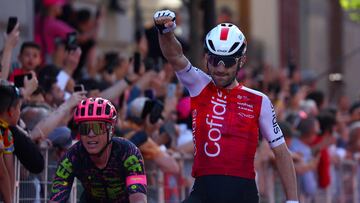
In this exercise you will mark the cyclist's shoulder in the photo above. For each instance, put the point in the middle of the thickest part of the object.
(253, 92)
(76, 151)
(122, 143)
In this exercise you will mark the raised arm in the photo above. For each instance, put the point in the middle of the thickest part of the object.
(10, 42)
(170, 46)
(59, 117)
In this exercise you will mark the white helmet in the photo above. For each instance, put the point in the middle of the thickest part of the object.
(225, 40)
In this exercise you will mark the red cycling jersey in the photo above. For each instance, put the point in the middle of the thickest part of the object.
(226, 125)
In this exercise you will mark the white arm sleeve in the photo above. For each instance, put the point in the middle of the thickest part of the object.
(269, 127)
(194, 79)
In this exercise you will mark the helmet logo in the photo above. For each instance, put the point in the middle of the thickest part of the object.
(224, 33)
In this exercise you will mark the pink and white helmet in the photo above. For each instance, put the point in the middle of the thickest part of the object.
(225, 40)
(95, 109)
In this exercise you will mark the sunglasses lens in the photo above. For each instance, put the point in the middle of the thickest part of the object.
(84, 128)
(97, 128)
(227, 61)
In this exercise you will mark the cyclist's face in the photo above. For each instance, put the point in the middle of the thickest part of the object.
(93, 135)
(222, 71)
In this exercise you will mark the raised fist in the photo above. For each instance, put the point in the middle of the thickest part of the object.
(165, 21)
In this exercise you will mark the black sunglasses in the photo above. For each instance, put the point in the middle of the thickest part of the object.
(227, 61)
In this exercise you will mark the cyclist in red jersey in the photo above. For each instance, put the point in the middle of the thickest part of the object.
(227, 118)
(110, 169)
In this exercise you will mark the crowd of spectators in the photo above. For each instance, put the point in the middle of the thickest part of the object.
(154, 109)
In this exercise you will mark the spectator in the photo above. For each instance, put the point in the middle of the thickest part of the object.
(30, 59)
(48, 27)
(145, 122)
(9, 115)
(354, 112)
(53, 94)
(308, 128)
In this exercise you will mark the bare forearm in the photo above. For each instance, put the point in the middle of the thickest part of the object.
(167, 164)
(45, 126)
(172, 50)
(9, 162)
(114, 91)
(5, 63)
(285, 166)
(5, 181)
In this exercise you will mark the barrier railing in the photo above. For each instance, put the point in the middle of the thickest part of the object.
(169, 188)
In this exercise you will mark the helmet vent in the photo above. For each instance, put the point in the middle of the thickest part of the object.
(100, 101)
(82, 112)
(211, 45)
(230, 25)
(90, 109)
(77, 112)
(98, 110)
(223, 24)
(234, 46)
(107, 109)
(83, 102)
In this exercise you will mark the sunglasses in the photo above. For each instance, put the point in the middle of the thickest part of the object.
(98, 128)
(227, 61)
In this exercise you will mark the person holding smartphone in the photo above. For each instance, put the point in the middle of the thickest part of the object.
(10, 42)
(48, 27)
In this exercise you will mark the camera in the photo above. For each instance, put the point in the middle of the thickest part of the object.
(153, 108)
(19, 79)
(79, 88)
(111, 61)
(71, 41)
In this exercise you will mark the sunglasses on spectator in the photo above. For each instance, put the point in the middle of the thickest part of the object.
(227, 61)
(98, 128)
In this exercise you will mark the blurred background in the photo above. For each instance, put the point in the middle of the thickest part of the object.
(319, 37)
(303, 54)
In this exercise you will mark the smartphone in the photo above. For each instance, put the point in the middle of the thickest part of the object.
(137, 62)
(79, 88)
(111, 61)
(11, 24)
(19, 79)
(71, 41)
(171, 90)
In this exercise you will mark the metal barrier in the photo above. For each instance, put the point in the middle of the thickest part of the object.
(36, 188)
(169, 188)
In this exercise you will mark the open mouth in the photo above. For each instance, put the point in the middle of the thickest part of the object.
(92, 144)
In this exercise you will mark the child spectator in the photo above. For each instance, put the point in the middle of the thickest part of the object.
(30, 59)
(10, 104)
